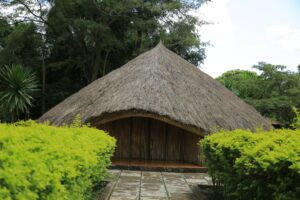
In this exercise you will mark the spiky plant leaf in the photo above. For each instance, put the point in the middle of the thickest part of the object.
(17, 86)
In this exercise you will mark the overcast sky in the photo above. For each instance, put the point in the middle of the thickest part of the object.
(245, 32)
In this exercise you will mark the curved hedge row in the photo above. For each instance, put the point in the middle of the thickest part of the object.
(38, 161)
(261, 165)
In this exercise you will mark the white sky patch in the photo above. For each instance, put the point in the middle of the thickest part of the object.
(220, 33)
(279, 30)
(245, 32)
(286, 36)
(217, 14)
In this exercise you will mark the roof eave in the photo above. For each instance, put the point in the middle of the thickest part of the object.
(108, 117)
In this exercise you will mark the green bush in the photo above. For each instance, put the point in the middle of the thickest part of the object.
(38, 161)
(261, 165)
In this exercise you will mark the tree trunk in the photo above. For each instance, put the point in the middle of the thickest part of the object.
(96, 63)
(43, 106)
(13, 116)
(85, 73)
(95, 70)
(138, 41)
(105, 62)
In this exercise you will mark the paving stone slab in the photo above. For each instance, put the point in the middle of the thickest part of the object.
(129, 180)
(183, 196)
(178, 189)
(195, 175)
(151, 174)
(131, 173)
(154, 198)
(154, 190)
(176, 185)
(124, 193)
(203, 182)
(147, 185)
(154, 178)
(171, 175)
(151, 180)
(114, 171)
(209, 180)
(123, 198)
(194, 181)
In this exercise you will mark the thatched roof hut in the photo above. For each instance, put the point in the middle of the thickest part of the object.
(162, 85)
(159, 85)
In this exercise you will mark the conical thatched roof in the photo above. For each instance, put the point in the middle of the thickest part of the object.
(161, 85)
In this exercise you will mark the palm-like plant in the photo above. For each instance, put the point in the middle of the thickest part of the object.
(17, 86)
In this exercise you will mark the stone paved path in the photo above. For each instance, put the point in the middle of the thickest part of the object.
(144, 185)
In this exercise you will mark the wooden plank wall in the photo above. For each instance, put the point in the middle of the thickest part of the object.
(158, 140)
(140, 138)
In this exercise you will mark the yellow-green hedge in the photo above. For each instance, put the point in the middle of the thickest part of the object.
(39, 161)
(261, 165)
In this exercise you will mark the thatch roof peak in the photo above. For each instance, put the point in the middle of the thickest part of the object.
(160, 43)
(159, 84)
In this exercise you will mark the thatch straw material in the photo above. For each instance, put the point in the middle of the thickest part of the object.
(159, 84)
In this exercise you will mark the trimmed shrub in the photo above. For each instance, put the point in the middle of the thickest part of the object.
(38, 161)
(261, 165)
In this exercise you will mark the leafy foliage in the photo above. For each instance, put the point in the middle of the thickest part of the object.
(71, 43)
(261, 165)
(21, 46)
(273, 92)
(240, 82)
(39, 161)
(90, 35)
(17, 86)
(5, 30)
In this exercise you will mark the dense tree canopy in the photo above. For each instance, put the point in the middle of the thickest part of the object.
(273, 91)
(241, 82)
(71, 43)
(22, 46)
(98, 36)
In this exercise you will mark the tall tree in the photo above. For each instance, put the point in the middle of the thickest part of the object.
(25, 46)
(273, 92)
(5, 30)
(241, 82)
(82, 40)
(32, 12)
(91, 38)
(91, 34)
(22, 46)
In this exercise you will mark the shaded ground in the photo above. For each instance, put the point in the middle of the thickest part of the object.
(145, 185)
